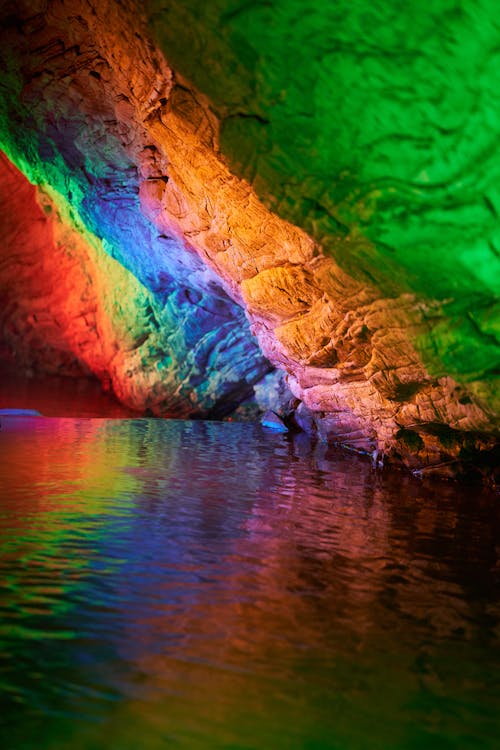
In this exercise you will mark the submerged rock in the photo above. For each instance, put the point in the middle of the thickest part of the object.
(20, 413)
(271, 420)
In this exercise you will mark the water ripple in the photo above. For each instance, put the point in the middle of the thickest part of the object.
(165, 582)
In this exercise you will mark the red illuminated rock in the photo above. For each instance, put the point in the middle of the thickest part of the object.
(349, 351)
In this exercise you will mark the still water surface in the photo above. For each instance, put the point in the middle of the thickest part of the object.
(210, 585)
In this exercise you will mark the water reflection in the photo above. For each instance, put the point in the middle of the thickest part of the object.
(56, 396)
(211, 585)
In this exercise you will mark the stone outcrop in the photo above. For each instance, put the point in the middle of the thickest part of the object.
(141, 249)
(70, 309)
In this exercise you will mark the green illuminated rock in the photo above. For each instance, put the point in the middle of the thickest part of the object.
(329, 171)
(373, 119)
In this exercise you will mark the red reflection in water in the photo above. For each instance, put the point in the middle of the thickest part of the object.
(60, 397)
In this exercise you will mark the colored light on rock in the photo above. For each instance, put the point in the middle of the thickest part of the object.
(362, 143)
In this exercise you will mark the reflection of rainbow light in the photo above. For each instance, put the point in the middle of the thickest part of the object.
(65, 487)
(182, 600)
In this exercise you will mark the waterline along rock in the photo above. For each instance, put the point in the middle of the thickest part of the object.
(212, 206)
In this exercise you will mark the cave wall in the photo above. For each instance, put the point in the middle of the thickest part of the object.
(380, 117)
(308, 190)
(68, 308)
(69, 125)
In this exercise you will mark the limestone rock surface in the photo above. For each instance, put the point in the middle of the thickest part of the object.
(127, 154)
(68, 308)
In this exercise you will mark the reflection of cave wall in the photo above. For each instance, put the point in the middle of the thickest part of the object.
(387, 344)
(309, 560)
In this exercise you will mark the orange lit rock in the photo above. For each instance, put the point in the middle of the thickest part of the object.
(349, 351)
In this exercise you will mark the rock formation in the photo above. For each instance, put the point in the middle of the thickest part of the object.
(159, 249)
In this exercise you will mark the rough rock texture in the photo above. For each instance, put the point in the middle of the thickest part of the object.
(382, 116)
(68, 308)
(91, 108)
